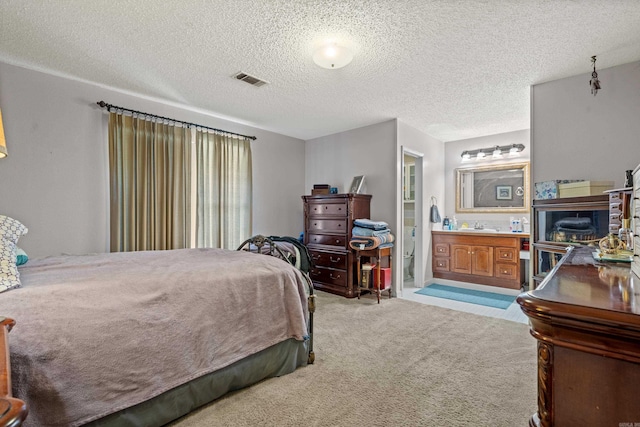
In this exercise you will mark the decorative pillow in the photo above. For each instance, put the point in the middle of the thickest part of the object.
(11, 228)
(9, 276)
(21, 256)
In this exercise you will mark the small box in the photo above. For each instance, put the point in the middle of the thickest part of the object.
(549, 189)
(385, 278)
(317, 191)
(367, 271)
(584, 188)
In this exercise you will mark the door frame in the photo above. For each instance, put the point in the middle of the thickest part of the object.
(418, 273)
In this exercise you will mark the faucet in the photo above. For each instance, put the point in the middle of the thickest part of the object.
(478, 226)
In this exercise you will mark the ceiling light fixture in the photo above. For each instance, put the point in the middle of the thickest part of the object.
(496, 152)
(594, 82)
(332, 56)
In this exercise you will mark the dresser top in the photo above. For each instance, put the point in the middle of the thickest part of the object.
(336, 196)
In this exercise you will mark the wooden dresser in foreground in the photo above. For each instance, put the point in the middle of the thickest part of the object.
(585, 316)
(328, 222)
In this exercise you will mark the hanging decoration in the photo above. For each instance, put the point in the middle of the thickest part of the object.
(594, 82)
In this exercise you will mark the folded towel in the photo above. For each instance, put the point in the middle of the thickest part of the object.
(367, 223)
(371, 242)
(367, 232)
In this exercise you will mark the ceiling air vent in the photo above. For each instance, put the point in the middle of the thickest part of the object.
(249, 79)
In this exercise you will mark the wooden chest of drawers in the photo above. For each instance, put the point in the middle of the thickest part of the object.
(618, 202)
(328, 221)
(635, 221)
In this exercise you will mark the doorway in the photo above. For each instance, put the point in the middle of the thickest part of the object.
(412, 229)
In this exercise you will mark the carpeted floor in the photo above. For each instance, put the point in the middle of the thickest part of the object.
(399, 363)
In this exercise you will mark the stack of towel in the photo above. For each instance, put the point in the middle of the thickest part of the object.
(371, 234)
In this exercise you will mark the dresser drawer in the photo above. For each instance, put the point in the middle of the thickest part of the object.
(615, 208)
(615, 218)
(441, 264)
(328, 225)
(329, 259)
(441, 249)
(335, 209)
(507, 255)
(615, 197)
(506, 271)
(329, 275)
(329, 240)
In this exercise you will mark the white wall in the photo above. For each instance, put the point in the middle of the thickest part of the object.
(55, 179)
(369, 151)
(576, 135)
(453, 161)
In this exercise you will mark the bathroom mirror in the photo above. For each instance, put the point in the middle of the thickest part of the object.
(497, 188)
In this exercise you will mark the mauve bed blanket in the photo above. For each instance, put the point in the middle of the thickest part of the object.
(96, 334)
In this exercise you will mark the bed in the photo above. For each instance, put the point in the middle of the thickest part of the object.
(143, 338)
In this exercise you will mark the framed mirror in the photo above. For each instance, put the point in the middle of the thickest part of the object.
(495, 189)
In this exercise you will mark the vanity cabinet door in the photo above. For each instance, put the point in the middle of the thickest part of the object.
(461, 259)
(482, 260)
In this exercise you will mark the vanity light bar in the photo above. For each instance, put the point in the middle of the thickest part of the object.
(494, 152)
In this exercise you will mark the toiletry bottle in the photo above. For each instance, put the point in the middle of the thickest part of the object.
(445, 223)
(454, 224)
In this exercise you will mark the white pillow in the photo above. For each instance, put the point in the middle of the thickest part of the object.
(9, 275)
(11, 228)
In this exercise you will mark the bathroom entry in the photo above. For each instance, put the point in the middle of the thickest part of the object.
(411, 220)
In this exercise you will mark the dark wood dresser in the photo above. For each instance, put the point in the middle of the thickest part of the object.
(328, 221)
(586, 318)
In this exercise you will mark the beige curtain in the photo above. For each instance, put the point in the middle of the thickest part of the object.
(224, 190)
(150, 181)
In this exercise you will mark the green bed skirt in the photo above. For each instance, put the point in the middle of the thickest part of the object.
(277, 360)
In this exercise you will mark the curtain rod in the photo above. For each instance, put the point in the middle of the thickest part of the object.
(103, 104)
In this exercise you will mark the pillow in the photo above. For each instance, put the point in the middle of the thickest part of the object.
(11, 228)
(9, 276)
(21, 256)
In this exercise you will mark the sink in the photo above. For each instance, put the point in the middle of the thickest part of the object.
(477, 230)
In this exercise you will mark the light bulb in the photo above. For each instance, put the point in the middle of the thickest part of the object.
(332, 56)
(481, 155)
(497, 153)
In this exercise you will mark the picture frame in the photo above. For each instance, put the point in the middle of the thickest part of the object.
(356, 184)
(504, 192)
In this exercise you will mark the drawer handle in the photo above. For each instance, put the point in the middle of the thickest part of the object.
(315, 272)
(505, 272)
(315, 257)
(337, 242)
(334, 260)
(315, 224)
(333, 277)
(505, 255)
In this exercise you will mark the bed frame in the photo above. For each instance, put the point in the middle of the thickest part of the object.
(257, 244)
(14, 411)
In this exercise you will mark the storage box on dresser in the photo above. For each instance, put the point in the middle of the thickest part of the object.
(328, 222)
(635, 203)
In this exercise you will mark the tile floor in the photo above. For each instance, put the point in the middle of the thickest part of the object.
(513, 312)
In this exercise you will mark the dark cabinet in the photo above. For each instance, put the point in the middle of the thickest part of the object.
(328, 221)
(562, 223)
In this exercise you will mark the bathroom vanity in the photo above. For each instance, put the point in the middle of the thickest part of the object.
(477, 256)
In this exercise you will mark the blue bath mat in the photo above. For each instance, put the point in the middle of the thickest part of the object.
(490, 299)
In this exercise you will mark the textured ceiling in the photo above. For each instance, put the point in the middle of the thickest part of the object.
(453, 69)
